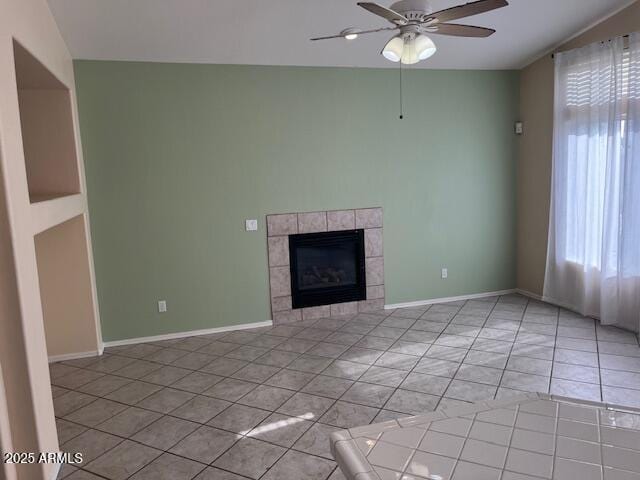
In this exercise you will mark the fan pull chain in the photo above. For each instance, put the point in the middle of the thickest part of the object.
(401, 109)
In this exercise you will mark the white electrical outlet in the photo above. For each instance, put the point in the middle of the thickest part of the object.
(445, 273)
(251, 225)
(162, 306)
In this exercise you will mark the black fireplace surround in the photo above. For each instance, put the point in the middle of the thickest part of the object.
(327, 268)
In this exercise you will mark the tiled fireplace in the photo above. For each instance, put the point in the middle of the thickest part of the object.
(365, 222)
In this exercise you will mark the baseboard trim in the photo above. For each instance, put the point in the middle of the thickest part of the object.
(191, 333)
(529, 294)
(472, 296)
(75, 356)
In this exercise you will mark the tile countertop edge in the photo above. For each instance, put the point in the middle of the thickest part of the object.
(355, 466)
(349, 458)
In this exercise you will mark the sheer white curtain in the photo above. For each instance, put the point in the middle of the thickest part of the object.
(593, 260)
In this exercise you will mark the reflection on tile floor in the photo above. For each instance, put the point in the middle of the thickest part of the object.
(261, 403)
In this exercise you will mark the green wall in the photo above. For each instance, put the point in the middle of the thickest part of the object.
(178, 156)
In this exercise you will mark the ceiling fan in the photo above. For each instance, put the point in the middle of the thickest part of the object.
(414, 19)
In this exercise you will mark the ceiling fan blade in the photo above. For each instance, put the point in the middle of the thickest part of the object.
(456, 30)
(384, 12)
(329, 37)
(363, 32)
(473, 8)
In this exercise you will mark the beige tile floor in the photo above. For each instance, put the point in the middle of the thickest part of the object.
(261, 403)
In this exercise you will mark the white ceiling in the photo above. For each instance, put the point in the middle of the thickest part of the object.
(277, 32)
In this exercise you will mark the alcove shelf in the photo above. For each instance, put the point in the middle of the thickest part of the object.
(46, 121)
(46, 214)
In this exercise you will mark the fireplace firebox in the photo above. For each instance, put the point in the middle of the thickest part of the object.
(327, 268)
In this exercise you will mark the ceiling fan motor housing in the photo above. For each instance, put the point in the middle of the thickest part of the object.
(413, 10)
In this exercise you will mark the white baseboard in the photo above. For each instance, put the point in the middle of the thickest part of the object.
(192, 333)
(472, 296)
(74, 356)
(529, 294)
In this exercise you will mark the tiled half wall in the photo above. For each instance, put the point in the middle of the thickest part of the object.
(280, 226)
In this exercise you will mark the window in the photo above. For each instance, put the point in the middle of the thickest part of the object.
(596, 109)
(593, 260)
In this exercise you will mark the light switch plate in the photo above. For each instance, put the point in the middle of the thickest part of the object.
(162, 306)
(518, 128)
(251, 225)
(445, 273)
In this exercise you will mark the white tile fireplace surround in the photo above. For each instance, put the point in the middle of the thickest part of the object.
(280, 226)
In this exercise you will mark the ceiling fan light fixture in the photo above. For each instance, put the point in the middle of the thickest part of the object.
(425, 47)
(409, 53)
(350, 33)
(409, 49)
(394, 49)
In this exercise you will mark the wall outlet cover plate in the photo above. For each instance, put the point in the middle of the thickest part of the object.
(251, 225)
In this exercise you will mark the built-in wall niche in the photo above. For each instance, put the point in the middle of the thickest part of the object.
(48, 136)
(64, 275)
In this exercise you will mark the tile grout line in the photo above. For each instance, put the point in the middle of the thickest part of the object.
(599, 373)
(395, 389)
(511, 434)
(555, 348)
(469, 350)
(447, 324)
(524, 311)
(555, 437)
(423, 356)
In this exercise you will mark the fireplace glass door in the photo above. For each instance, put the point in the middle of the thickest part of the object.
(327, 268)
